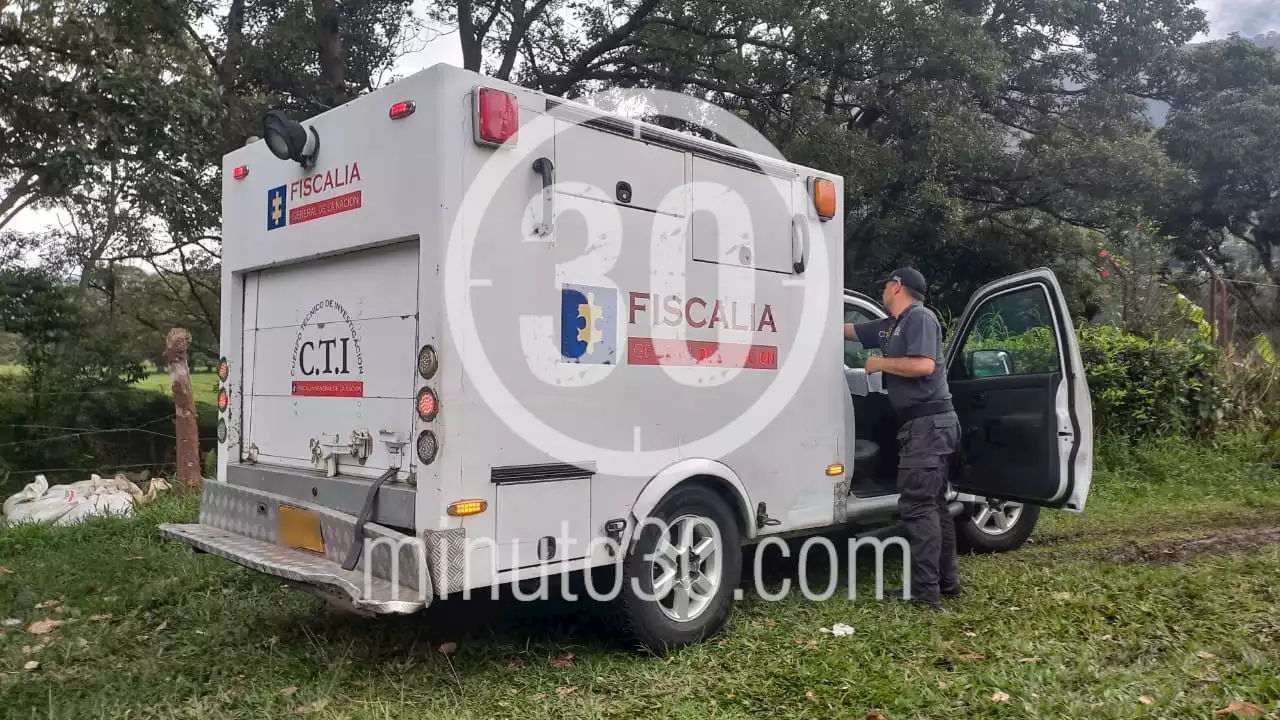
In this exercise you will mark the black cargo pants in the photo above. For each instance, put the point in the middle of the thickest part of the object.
(925, 446)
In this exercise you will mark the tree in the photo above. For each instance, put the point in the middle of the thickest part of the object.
(1224, 125)
(68, 345)
(119, 113)
(95, 83)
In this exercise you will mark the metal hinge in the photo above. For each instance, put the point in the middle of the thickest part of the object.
(361, 445)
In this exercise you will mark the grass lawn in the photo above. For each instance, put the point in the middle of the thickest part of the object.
(1163, 601)
(204, 385)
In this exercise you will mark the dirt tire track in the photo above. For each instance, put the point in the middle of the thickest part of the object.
(1168, 551)
(1221, 522)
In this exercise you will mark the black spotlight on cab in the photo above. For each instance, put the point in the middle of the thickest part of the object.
(288, 140)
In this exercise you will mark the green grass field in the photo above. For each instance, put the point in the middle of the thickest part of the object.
(203, 385)
(1163, 601)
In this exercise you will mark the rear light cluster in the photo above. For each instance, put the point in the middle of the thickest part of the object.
(224, 399)
(427, 405)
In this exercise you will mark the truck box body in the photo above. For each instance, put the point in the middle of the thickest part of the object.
(335, 276)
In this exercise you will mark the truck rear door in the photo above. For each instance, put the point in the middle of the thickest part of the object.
(1018, 385)
(329, 348)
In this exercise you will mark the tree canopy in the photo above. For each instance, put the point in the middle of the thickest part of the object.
(976, 137)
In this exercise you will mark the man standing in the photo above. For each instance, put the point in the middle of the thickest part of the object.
(915, 378)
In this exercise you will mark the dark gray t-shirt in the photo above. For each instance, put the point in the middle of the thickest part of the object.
(918, 332)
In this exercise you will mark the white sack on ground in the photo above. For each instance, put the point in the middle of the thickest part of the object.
(69, 504)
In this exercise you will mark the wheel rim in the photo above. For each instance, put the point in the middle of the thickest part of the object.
(687, 567)
(995, 518)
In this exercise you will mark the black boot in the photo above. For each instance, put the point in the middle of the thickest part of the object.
(899, 595)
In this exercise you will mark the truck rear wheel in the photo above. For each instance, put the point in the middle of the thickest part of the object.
(679, 581)
(990, 527)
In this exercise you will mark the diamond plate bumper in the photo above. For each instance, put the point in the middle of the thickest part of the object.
(239, 524)
(369, 594)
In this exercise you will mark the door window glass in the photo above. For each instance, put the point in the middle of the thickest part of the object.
(855, 354)
(1011, 335)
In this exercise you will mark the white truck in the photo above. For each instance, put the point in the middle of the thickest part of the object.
(474, 335)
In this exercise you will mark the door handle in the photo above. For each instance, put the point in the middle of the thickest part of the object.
(547, 171)
(978, 401)
(799, 244)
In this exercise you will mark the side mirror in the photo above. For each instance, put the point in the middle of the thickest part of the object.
(987, 363)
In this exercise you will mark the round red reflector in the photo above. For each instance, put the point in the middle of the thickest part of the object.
(427, 404)
(222, 400)
(224, 369)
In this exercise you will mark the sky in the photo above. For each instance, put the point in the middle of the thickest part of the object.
(1247, 17)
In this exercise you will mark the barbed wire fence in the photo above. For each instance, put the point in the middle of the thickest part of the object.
(1241, 312)
(107, 431)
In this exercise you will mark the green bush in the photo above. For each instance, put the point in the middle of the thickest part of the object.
(1139, 387)
(1145, 388)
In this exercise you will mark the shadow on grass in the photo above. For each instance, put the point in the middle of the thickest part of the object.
(487, 625)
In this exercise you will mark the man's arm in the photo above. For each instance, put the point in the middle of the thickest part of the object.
(910, 366)
(867, 333)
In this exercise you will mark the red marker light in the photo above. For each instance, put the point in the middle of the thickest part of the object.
(222, 400)
(403, 109)
(497, 116)
(427, 404)
(240, 172)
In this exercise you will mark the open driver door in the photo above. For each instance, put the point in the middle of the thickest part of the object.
(1018, 385)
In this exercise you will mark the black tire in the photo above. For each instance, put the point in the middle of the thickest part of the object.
(969, 539)
(642, 622)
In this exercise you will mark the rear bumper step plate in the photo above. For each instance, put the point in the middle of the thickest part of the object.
(363, 592)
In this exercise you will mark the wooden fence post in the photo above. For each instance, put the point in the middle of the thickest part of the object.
(184, 406)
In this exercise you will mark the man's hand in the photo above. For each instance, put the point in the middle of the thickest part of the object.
(914, 366)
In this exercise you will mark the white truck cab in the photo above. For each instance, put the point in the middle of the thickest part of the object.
(475, 335)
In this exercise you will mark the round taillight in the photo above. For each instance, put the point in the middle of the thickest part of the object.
(428, 363)
(222, 431)
(223, 400)
(224, 369)
(427, 447)
(427, 405)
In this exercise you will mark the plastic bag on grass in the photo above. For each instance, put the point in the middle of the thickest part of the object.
(69, 504)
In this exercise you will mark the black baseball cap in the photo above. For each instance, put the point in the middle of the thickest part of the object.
(911, 279)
